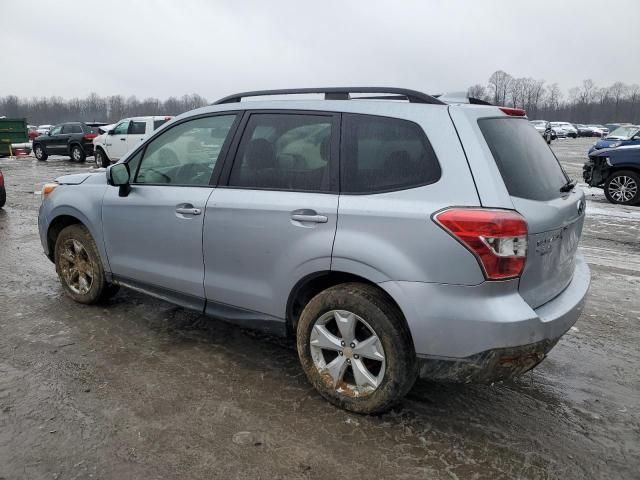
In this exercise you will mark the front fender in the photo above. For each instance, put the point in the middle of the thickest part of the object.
(82, 202)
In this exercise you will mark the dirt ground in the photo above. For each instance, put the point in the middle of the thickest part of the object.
(140, 389)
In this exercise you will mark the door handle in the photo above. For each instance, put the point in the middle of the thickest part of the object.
(123, 139)
(188, 211)
(306, 215)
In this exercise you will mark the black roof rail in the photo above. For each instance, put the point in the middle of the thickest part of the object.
(339, 93)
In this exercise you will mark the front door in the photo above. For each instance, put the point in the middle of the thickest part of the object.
(153, 236)
(53, 142)
(274, 221)
(116, 143)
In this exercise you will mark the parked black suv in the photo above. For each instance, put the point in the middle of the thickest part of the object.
(74, 139)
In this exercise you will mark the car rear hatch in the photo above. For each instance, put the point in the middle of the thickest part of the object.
(533, 184)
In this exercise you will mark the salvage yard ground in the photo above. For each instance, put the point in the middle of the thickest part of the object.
(141, 389)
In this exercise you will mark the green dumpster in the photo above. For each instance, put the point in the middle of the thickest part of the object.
(12, 130)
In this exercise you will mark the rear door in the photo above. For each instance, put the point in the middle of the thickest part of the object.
(137, 132)
(274, 221)
(532, 183)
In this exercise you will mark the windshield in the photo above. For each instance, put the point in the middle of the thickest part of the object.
(528, 166)
(623, 133)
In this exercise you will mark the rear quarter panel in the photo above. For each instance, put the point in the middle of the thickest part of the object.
(391, 236)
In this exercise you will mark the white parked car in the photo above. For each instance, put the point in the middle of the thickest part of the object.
(124, 136)
(570, 130)
(43, 129)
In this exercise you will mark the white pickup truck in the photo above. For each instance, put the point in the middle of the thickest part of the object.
(124, 136)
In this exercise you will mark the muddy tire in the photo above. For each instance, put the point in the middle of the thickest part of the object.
(623, 187)
(355, 348)
(101, 159)
(3, 196)
(77, 154)
(79, 267)
(40, 152)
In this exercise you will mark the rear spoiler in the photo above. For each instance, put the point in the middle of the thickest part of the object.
(460, 97)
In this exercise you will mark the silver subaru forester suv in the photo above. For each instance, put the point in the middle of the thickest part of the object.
(392, 234)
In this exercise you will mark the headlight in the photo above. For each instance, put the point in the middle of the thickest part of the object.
(47, 189)
(615, 144)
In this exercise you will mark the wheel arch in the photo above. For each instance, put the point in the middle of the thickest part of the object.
(310, 285)
(56, 226)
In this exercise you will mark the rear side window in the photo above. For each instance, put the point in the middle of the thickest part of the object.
(137, 128)
(284, 152)
(528, 166)
(71, 128)
(383, 154)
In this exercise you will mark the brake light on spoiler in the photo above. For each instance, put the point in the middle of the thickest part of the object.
(497, 238)
(514, 112)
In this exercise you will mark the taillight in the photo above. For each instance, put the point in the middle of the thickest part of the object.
(498, 238)
(514, 112)
(1, 180)
(89, 136)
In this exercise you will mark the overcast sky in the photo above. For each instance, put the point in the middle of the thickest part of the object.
(163, 48)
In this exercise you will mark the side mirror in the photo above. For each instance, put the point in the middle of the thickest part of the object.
(49, 133)
(110, 132)
(118, 176)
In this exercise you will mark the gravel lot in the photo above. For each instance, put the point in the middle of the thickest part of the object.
(140, 389)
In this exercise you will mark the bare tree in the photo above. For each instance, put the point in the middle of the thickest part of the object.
(477, 91)
(499, 83)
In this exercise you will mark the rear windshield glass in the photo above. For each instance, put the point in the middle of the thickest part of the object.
(528, 166)
(157, 123)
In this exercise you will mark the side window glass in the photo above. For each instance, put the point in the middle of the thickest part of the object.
(67, 128)
(56, 130)
(137, 128)
(185, 154)
(285, 152)
(121, 128)
(381, 154)
(76, 129)
(133, 163)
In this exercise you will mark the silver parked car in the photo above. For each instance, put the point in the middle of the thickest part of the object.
(392, 236)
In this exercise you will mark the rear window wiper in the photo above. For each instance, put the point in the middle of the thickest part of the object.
(567, 187)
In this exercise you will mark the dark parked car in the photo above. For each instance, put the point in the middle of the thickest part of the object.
(3, 192)
(621, 136)
(617, 171)
(73, 139)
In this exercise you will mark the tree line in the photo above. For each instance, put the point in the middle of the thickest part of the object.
(93, 108)
(587, 103)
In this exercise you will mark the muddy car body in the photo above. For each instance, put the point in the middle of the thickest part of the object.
(390, 237)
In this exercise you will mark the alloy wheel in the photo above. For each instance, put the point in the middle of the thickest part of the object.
(347, 352)
(623, 188)
(77, 154)
(76, 267)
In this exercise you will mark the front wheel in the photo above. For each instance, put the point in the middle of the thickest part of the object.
(40, 153)
(79, 266)
(623, 187)
(355, 348)
(101, 159)
(77, 153)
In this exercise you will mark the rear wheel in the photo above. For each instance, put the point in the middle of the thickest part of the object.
(77, 153)
(623, 187)
(40, 152)
(79, 266)
(355, 348)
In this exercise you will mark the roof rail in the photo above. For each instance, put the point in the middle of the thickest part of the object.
(339, 93)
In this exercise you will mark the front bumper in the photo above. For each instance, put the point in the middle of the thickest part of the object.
(487, 331)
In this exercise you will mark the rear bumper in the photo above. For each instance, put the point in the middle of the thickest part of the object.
(485, 327)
